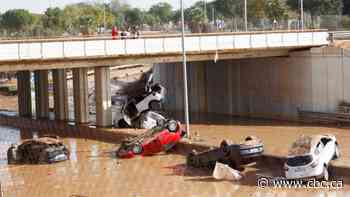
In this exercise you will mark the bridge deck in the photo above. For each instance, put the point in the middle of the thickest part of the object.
(44, 51)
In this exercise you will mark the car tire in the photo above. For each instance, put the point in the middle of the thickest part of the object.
(11, 155)
(122, 124)
(192, 160)
(325, 173)
(336, 153)
(224, 145)
(137, 149)
(155, 105)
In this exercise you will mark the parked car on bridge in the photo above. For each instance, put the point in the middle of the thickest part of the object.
(228, 153)
(155, 140)
(309, 157)
(46, 149)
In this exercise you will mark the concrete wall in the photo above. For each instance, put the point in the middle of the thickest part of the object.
(265, 87)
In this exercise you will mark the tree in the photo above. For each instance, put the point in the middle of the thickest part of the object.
(318, 7)
(53, 19)
(151, 20)
(197, 19)
(231, 9)
(134, 17)
(163, 11)
(275, 10)
(17, 20)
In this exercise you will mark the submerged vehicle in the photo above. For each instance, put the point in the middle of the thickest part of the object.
(158, 139)
(46, 149)
(149, 100)
(231, 154)
(309, 157)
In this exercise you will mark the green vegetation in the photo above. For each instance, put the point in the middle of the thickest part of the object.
(91, 18)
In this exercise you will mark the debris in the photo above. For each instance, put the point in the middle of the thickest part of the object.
(225, 172)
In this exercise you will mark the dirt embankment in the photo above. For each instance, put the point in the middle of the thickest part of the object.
(344, 44)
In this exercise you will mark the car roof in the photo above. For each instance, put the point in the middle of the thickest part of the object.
(45, 140)
(306, 144)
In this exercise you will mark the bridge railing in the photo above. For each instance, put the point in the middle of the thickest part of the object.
(58, 49)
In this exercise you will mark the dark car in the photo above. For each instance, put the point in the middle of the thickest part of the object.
(231, 154)
(46, 149)
(226, 154)
(161, 138)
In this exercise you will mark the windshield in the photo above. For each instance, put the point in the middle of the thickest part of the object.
(299, 160)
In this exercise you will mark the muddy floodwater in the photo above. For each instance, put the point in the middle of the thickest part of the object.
(94, 171)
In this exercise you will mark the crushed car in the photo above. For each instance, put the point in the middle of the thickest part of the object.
(228, 153)
(309, 157)
(45, 149)
(161, 138)
(149, 100)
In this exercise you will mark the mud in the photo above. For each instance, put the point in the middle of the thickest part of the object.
(94, 171)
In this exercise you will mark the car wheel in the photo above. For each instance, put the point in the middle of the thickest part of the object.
(155, 105)
(137, 149)
(191, 159)
(224, 145)
(336, 153)
(122, 124)
(325, 173)
(11, 155)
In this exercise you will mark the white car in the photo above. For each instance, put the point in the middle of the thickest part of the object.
(138, 105)
(309, 157)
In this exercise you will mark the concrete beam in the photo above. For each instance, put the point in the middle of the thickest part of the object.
(41, 93)
(81, 94)
(103, 97)
(60, 94)
(119, 60)
(24, 94)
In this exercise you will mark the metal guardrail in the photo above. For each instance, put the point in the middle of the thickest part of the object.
(339, 35)
(82, 48)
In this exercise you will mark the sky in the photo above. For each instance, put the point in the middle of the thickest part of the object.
(39, 6)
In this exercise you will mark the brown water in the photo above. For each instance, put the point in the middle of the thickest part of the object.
(94, 171)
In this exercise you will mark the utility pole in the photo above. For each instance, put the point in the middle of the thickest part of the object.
(302, 14)
(104, 16)
(245, 16)
(184, 64)
(205, 10)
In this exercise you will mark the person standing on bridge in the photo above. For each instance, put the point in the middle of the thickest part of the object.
(114, 32)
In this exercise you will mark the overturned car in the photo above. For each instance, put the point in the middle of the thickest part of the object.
(158, 139)
(136, 111)
(46, 149)
(231, 154)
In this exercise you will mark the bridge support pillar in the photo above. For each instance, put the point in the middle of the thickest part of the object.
(80, 89)
(24, 94)
(41, 93)
(60, 94)
(103, 97)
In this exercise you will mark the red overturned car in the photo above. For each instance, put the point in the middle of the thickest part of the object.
(161, 138)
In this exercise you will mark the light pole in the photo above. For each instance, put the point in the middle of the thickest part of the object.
(302, 14)
(205, 10)
(245, 16)
(104, 16)
(184, 64)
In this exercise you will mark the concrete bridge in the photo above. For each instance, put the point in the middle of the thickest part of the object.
(82, 54)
